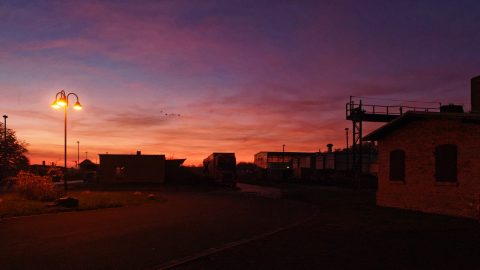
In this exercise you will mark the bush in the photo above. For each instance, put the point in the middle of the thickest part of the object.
(35, 187)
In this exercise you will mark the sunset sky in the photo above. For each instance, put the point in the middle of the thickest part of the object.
(245, 76)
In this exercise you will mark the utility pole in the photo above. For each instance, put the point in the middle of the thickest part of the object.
(5, 128)
(348, 154)
(5, 164)
(346, 133)
(283, 156)
(78, 153)
(86, 155)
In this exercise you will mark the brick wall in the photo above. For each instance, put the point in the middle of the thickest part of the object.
(420, 191)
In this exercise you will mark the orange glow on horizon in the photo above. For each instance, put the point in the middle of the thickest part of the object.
(254, 82)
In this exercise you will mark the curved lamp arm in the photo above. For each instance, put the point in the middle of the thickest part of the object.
(77, 106)
(61, 100)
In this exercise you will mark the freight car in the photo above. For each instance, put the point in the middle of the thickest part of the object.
(222, 168)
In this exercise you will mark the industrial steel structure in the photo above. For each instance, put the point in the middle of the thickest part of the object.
(359, 112)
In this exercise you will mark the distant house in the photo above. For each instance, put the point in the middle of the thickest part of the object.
(284, 165)
(88, 165)
(44, 169)
(283, 160)
(308, 165)
(132, 168)
(88, 170)
(342, 160)
(431, 161)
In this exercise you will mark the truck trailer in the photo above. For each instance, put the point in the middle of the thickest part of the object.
(222, 168)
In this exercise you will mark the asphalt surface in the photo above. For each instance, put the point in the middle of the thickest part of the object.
(307, 228)
(350, 232)
(141, 237)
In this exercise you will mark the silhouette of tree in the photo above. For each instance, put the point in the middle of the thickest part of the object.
(12, 154)
(246, 170)
(246, 167)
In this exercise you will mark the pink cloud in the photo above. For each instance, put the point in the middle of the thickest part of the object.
(236, 88)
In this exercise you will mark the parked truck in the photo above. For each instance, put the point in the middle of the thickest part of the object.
(222, 168)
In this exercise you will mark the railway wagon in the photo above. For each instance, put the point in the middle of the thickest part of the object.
(222, 168)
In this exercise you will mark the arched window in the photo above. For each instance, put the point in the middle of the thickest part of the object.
(446, 163)
(397, 165)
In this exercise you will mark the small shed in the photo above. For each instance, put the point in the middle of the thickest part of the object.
(132, 168)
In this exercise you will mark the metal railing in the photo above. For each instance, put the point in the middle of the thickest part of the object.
(395, 110)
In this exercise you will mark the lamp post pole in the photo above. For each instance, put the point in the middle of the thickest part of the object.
(61, 100)
(5, 128)
(65, 150)
(78, 154)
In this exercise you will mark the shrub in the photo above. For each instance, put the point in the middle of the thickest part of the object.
(35, 187)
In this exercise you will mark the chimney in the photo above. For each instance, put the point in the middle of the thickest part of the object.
(475, 94)
(139, 153)
(329, 146)
(43, 163)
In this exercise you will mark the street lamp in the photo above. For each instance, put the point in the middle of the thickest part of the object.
(61, 100)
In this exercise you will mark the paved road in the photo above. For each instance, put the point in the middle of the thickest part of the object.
(140, 237)
(349, 232)
(266, 192)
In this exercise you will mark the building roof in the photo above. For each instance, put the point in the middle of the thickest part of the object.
(413, 116)
(175, 162)
(287, 153)
(86, 162)
(130, 155)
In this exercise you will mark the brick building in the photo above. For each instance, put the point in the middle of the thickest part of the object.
(132, 168)
(430, 162)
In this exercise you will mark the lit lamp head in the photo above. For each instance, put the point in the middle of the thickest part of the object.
(77, 106)
(55, 105)
(62, 101)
